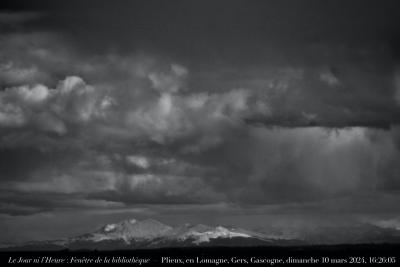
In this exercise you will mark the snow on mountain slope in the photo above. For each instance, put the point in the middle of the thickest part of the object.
(147, 230)
(127, 231)
(146, 234)
(219, 232)
(153, 233)
(202, 233)
(133, 234)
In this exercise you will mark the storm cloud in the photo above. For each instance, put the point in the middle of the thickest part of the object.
(239, 113)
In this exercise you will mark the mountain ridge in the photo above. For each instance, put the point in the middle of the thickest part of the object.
(150, 233)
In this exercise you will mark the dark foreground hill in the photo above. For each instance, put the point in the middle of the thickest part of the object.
(265, 255)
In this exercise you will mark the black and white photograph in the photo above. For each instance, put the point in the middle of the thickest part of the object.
(202, 132)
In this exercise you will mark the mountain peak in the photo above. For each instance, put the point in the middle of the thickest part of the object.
(131, 229)
(132, 220)
(113, 226)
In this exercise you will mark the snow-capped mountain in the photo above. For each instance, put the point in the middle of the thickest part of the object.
(134, 234)
(128, 230)
(149, 234)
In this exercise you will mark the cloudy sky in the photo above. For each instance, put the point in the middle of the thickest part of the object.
(249, 113)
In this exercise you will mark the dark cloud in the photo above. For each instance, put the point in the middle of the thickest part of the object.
(211, 142)
(16, 21)
(164, 110)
